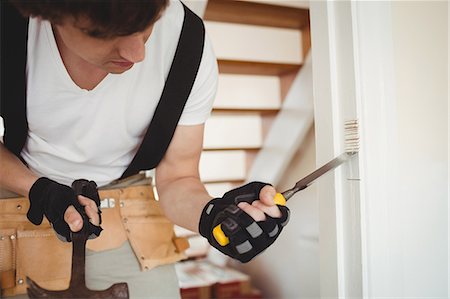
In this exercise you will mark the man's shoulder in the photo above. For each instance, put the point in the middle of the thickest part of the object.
(173, 16)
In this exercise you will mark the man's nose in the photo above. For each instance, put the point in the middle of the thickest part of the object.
(132, 47)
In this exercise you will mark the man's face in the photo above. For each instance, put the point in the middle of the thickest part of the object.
(113, 55)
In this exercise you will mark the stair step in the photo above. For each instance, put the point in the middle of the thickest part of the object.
(248, 92)
(233, 131)
(261, 14)
(289, 3)
(227, 66)
(260, 48)
(223, 166)
(243, 42)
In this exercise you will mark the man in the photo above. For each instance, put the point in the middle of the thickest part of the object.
(95, 74)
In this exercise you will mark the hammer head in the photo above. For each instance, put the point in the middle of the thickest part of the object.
(116, 291)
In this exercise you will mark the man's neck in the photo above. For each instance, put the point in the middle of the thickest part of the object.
(83, 74)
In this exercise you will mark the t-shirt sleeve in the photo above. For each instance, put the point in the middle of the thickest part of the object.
(199, 104)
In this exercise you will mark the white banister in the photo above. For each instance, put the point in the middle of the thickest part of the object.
(288, 130)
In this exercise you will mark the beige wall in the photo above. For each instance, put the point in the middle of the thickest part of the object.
(420, 35)
(290, 268)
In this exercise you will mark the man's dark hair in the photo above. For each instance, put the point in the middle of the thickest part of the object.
(107, 18)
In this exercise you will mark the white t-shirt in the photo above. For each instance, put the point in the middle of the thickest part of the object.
(76, 133)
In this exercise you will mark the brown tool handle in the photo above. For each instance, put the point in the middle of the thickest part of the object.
(79, 242)
(81, 187)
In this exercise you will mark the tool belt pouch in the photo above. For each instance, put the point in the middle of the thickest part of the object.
(29, 250)
(128, 214)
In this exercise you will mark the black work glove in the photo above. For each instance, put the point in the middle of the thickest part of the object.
(247, 238)
(89, 189)
(52, 199)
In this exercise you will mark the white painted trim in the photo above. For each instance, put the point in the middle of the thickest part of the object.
(376, 104)
(354, 78)
(448, 154)
(323, 51)
(352, 64)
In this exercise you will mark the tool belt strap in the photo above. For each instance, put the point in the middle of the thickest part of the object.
(129, 213)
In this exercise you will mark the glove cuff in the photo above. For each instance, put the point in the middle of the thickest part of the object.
(38, 188)
(36, 211)
(206, 219)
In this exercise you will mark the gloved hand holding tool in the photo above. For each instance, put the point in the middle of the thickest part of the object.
(52, 199)
(77, 287)
(246, 237)
(235, 233)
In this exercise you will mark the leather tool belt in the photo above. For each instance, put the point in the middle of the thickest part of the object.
(129, 212)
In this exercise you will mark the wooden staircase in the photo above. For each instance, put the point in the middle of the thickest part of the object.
(260, 49)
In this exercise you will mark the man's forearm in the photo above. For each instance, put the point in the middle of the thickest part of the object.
(183, 201)
(14, 175)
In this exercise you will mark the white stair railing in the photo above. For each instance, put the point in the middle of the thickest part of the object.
(288, 129)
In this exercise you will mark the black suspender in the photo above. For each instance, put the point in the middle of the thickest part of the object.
(182, 74)
(175, 93)
(13, 47)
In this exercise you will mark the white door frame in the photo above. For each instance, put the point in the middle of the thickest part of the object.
(352, 75)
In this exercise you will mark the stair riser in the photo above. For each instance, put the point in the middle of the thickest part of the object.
(255, 43)
(248, 92)
(232, 131)
(222, 166)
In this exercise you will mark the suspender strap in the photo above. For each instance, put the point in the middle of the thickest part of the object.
(176, 91)
(13, 47)
(182, 74)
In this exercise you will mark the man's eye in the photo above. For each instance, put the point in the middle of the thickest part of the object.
(95, 33)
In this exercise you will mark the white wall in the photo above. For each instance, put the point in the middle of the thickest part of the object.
(404, 151)
(401, 85)
(420, 35)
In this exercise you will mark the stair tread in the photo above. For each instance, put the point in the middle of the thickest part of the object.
(246, 110)
(231, 148)
(256, 14)
(255, 68)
